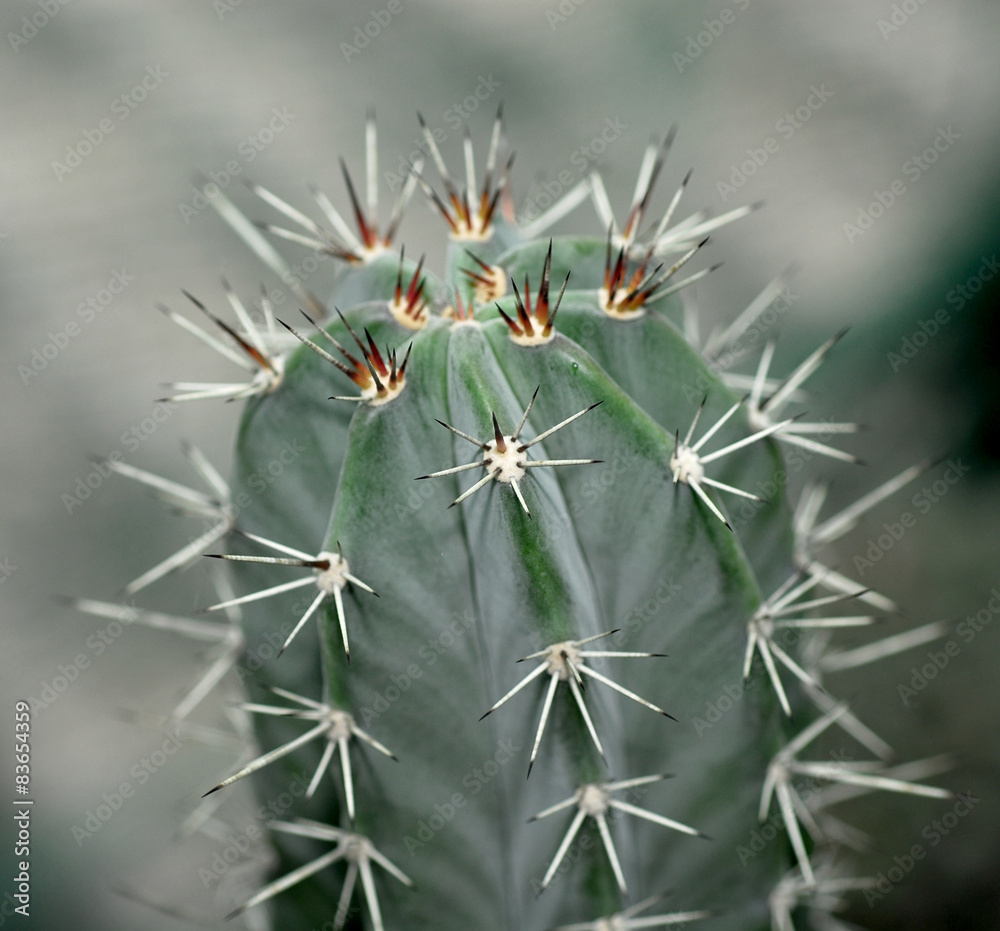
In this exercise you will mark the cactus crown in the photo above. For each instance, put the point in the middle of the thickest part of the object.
(599, 499)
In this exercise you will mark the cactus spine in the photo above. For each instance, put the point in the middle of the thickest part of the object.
(531, 457)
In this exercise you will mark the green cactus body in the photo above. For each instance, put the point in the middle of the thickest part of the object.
(467, 591)
(526, 473)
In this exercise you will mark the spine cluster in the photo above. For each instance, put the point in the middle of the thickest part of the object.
(599, 334)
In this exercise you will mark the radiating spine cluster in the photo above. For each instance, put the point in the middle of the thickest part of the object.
(633, 286)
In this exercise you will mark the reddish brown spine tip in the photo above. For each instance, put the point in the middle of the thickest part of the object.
(498, 435)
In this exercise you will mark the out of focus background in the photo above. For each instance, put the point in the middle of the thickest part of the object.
(871, 130)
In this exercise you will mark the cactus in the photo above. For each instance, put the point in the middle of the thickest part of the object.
(531, 457)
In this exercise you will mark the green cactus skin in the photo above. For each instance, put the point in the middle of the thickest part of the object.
(613, 536)
(582, 564)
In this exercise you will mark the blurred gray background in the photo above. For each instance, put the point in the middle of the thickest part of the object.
(885, 81)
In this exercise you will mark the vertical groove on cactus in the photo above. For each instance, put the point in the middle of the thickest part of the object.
(627, 539)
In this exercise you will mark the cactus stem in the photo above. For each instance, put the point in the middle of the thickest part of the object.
(356, 849)
(594, 800)
(566, 662)
(503, 461)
